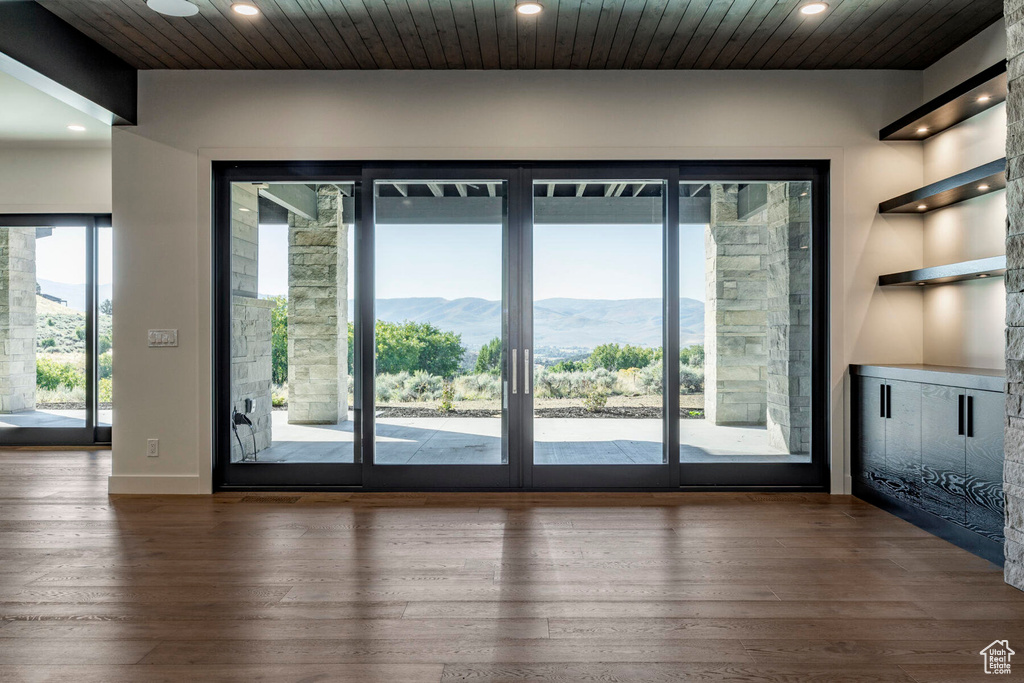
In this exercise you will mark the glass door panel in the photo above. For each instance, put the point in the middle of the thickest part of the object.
(598, 329)
(441, 328)
(745, 332)
(291, 383)
(43, 327)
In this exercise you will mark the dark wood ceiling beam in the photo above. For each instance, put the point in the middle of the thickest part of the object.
(39, 48)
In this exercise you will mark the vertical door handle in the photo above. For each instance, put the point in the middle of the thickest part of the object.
(888, 400)
(960, 415)
(881, 401)
(515, 371)
(970, 416)
(526, 371)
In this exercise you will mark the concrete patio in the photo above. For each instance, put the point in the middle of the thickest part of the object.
(53, 419)
(557, 441)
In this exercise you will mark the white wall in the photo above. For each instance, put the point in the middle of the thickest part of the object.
(162, 195)
(55, 179)
(964, 323)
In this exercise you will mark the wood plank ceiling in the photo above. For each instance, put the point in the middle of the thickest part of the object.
(568, 34)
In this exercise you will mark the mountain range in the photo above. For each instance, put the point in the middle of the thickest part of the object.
(73, 294)
(558, 323)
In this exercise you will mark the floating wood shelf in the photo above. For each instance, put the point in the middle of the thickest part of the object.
(953, 272)
(951, 107)
(949, 191)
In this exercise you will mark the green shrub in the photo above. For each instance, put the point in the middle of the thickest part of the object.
(48, 343)
(279, 340)
(279, 399)
(51, 375)
(572, 384)
(104, 343)
(447, 396)
(477, 387)
(80, 333)
(691, 379)
(692, 355)
(106, 365)
(614, 357)
(570, 366)
(595, 400)
(106, 390)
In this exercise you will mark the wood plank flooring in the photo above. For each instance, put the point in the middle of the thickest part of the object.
(478, 587)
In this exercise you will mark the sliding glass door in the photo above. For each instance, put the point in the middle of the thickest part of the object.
(54, 334)
(596, 312)
(522, 326)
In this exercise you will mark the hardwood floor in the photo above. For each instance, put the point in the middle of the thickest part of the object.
(480, 587)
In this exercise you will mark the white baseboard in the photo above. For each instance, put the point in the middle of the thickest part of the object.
(184, 484)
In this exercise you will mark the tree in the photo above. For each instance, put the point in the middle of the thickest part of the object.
(107, 307)
(489, 360)
(279, 340)
(614, 357)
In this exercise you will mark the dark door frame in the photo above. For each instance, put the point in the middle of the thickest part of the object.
(91, 434)
(361, 474)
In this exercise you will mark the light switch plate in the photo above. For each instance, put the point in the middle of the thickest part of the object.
(163, 338)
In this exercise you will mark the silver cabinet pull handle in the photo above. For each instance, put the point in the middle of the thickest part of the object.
(526, 371)
(515, 372)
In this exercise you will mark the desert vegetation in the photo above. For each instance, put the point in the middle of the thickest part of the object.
(60, 355)
(420, 364)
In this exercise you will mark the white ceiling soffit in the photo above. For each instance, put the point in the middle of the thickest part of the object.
(29, 115)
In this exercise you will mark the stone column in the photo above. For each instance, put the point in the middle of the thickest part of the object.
(251, 360)
(789, 316)
(318, 313)
(17, 319)
(1013, 472)
(735, 355)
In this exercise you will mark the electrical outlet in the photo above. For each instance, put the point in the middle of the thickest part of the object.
(153, 448)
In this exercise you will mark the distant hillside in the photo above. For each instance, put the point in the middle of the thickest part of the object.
(73, 294)
(577, 323)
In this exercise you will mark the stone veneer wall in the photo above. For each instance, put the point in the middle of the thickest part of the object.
(1013, 472)
(318, 313)
(251, 370)
(251, 347)
(789, 316)
(17, 319)
(735, 357)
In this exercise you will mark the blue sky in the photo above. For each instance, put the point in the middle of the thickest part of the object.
(454, 261)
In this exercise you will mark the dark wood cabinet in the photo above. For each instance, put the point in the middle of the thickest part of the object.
(943, 440)
(984, 484)
(930, 442)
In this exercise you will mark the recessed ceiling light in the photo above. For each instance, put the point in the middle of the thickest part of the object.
(982, 274)
(814, 8)
(529, 7)
(245, 9)
(982, 187)
(922, 129)
(76, 127)
(173, 8)
(244, 210)
(984, 98)
(920, 284)
(922, 207)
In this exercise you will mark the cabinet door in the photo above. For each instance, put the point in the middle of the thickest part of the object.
(943, 452)
(903, 441)
(870, 434)
(984, 484)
